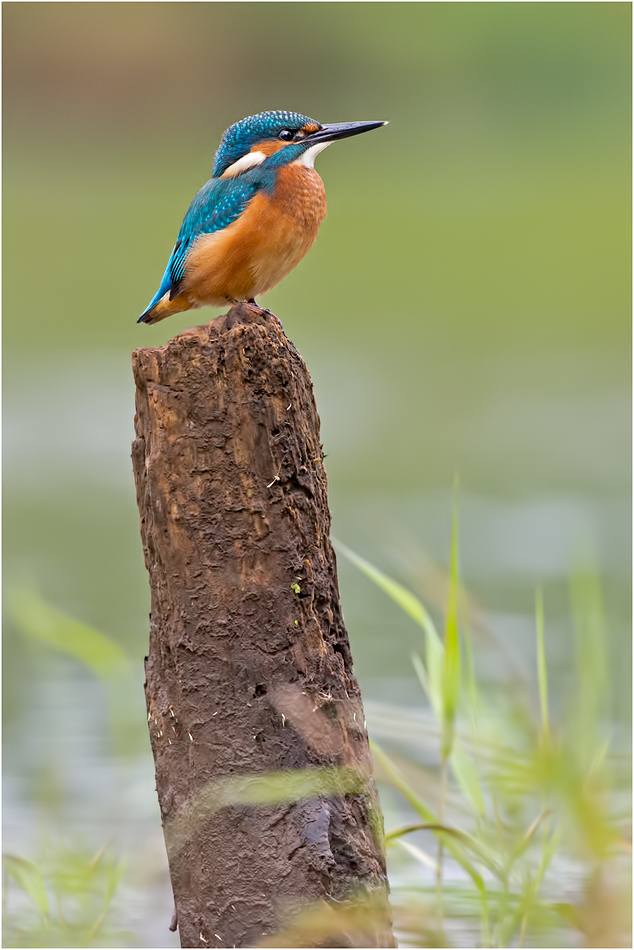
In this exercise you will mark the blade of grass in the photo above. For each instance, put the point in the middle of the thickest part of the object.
(264, 788)
(429, 826)
(29, 878)
(425, 859)
(415, 609)
(449, 839)
(588, 709)
(406, 830)
(466, 774)
(39, 621)
(450, 688)
(541, 664)
(472, 686)
(528, 835)
(451, 665)
(432, 694)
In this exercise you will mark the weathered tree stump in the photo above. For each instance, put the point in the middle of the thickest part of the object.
(249, 669)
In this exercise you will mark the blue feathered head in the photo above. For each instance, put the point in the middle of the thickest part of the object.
(240, 138)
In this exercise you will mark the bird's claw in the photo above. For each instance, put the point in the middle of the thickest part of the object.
(264, 310)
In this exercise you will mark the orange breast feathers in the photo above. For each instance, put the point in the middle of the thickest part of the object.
(257, 251)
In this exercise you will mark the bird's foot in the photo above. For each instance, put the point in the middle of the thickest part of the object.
(269, 313)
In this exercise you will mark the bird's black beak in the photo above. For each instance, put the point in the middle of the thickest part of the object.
(341, 130)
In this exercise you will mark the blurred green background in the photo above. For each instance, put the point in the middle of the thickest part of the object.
(465, 309)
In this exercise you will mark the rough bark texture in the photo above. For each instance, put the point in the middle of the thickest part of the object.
(249, 668)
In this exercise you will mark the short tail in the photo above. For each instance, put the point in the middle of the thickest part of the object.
(164, 308)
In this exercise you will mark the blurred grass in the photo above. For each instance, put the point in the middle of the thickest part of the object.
(553, 797)
(466, 307)
(39, 620)
(535, 810)
(70, 892)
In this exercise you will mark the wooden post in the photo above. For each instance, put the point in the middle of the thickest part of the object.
(249, 669)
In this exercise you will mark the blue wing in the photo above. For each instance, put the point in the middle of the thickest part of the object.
(218, 203)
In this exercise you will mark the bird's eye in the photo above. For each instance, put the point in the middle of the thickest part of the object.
(286, 135)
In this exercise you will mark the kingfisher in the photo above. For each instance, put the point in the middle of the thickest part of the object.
(256, 217)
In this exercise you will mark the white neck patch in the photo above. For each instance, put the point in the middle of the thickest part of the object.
(247, 161)
(309, 156)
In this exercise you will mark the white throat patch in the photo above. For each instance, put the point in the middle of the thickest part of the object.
(309, 156)
(247, 161)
